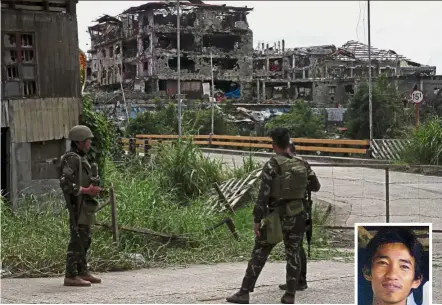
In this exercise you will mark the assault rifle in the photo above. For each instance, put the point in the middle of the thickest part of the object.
(309, 222)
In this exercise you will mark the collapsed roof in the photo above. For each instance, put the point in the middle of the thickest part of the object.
(194, 3)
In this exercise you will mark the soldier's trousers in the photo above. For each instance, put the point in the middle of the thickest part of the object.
(293, 228)
(303, 257)
(76, 263)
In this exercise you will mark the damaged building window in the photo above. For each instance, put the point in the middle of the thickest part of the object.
(275, 65)
(130, 71)
(164, 17)
(26, 41)
(169, 41)
(331, 90)
(20, 66)
(162, 85)
(185, 63)
(349, 89)
(27, 56)
(10, 57)
(223, 63)
(225, 86)
(259, 64)
(130, 49)
(111, 52)
(12, 71)
(224, 42)
(117, 49)
(9, 40)
(103, 53)
(146, 43)
(29, 87)
(298, 74)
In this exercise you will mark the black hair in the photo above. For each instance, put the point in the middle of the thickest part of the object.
(389, 235)
(280, 137)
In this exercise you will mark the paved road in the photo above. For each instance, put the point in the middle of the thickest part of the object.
(330, 282)
(196, 284)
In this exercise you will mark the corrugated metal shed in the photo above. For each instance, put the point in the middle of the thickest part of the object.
(43, 119)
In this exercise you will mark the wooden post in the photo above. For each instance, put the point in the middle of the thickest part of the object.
(232, 228)
(146, 147)
(132, 146)
(113, 203)
(417, 115)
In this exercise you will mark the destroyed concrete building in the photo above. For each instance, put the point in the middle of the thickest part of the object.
(139, 48)
(41, 92)
(328, 75)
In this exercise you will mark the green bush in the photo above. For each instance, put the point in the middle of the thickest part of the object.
(106, 134)
(165, 121)
(300, 121)
(200, 122)
(425, 144)
(388, 116)
(186, 170)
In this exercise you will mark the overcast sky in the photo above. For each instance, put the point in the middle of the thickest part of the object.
(411, 28)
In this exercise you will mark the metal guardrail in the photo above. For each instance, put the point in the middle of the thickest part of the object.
(142, 143)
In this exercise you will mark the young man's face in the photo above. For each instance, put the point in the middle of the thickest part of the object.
(392, 274)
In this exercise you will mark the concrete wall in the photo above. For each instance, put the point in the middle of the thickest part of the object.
(21, 182)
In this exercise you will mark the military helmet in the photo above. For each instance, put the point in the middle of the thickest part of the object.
(80, 133)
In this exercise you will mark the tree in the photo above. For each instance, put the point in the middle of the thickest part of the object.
(300, 121)
(388, 115)
(165, 121)
(200, 122)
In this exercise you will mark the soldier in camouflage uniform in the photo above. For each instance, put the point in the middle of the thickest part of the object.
(284, 182)
(302, 283)
(79, 187)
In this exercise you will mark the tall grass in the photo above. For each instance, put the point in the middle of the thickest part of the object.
(425, 144)
(149, 195)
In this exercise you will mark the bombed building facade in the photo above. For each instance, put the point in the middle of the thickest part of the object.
(138, 50)
(139, 47)
(328, 75)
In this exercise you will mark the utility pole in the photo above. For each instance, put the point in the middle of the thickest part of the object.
(179, 68)
(213, 93)
(370, 85)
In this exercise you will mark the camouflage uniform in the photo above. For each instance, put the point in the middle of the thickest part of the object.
(302, 283)
(81, 209)
(293, 228)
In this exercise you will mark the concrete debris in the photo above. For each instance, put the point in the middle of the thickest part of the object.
(4, 272)
(138, 259)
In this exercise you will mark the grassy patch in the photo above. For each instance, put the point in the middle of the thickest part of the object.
(425, 144)
(167, 194)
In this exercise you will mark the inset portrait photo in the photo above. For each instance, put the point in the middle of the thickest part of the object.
(393, 264)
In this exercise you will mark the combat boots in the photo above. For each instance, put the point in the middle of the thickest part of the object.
(300, 287)
(288, 298)
(90, 278)
(241, 297)
(76, 281)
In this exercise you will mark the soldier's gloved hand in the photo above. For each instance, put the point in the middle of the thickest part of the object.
(257, 229)
(91, 190)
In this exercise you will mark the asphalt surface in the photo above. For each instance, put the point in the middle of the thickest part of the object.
(330, 282)
(195, 284)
